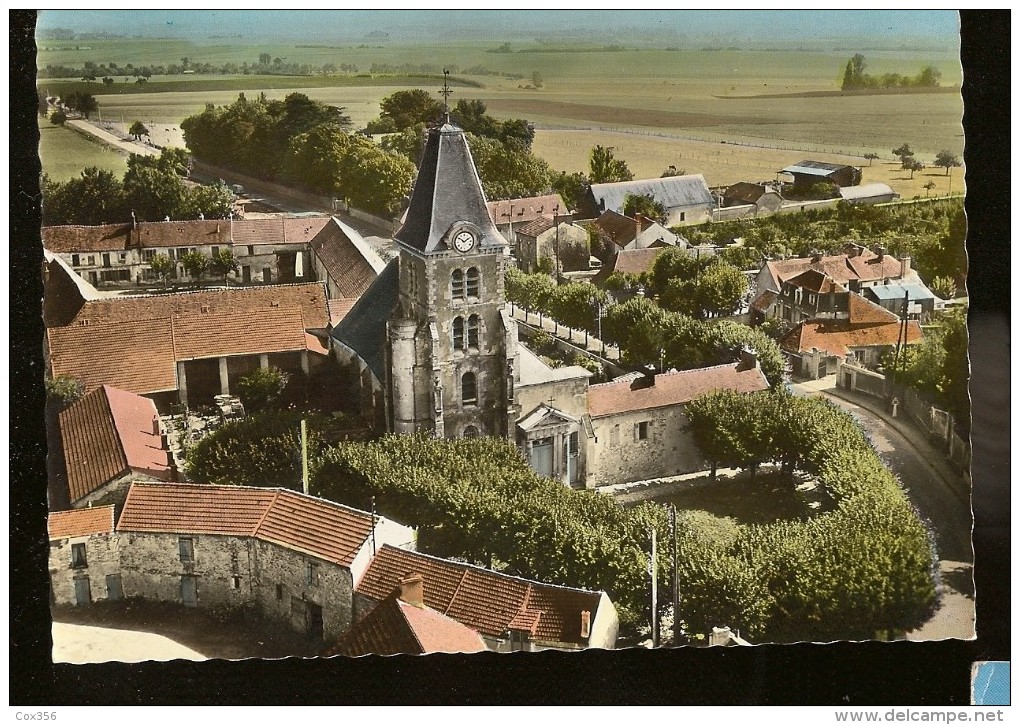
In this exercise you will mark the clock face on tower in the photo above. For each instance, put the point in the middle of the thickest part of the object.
(464, 241)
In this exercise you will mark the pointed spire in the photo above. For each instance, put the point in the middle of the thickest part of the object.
(445, 93)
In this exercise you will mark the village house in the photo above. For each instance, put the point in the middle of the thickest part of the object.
(511, 614)
(508, 215)
(807, 173)
(618, 233)
(816, 347)
(636, 425)
(562, 242)
(108, 438)
(402, 624)
(630, 262)
(808, 296)
(291, 557)
(84, 556)
(856, 268)
(747, 199)
(184, 347)
(920, 301)
(686, 199)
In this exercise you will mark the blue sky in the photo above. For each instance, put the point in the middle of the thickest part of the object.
(745, 24)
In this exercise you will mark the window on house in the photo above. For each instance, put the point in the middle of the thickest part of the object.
(92, 260)
(235, 582)
(251, 250)
(472, 282)
(78, 558)
(312, 574)
(683, 216)
(472, 331)
(614, 436)
(457, 284)
(148, 255)
(123, 257)
(186, 547)
(215, 250)
(75, 260)
(468, 389)
(458, 333)
(641, 431)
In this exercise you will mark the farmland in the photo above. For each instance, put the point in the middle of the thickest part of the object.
(731, 115)
(65, 152)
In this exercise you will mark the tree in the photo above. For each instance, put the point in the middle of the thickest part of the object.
(537, 79)
(849, 82)
(379, 182)
(58, 118)
(903, 152)
(154, 191)
(508, 170)
(86, 104)
(207, 201)
(261, 389)
(928, 187)
(265, 58)
(928, 77)
(672, 170)
(409, 143)
(138, 130)
(223, 263)
(195, 265)
(44, 104)
(407, 108)
(911, 164)
(163, 267)
(944, 287)
(572, 188)
(645, 205)
(95, 197)
(721, 289)
(605, 168)
(63, 390)
(947, 160)
(871, 156)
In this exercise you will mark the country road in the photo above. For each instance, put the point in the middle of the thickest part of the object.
(940, 497)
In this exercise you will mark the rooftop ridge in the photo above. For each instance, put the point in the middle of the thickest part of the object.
(206, 290)
(664, 374)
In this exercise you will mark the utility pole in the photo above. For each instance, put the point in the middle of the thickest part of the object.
(676, 578)
(556, 211)
(655, 596)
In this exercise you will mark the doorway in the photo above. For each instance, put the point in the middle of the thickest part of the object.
(82, 591)
(189, 591)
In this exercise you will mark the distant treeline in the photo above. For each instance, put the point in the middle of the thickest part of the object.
(854, 77)
(434, 69)
(506, 48)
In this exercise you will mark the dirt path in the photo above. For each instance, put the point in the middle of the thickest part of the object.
(80, 644)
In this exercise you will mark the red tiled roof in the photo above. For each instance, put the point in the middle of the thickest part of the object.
(303, 523)
(278, 230)
(525, 210)
(108, 433)
(104, 238)
(620, 229)
(339, 307)
(396, 627)
(533, 229)
(80, 522)
(216, 334)
(484, 600)
(763, 301)
(673, 388)
(636, 261)
(65, 293)
(345, 264)
(182, 233)
(133, 355)
(744, 192)
(815, 281)
(869, 325)
(842, 268)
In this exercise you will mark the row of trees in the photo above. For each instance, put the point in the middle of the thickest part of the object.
(943, 159)
(152, 188)
(646, 333)
(304, 142)
(863, 567)
(265, 65)
(854, 77)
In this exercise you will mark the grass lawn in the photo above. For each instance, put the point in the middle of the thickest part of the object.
(65, 152)
(762, 501)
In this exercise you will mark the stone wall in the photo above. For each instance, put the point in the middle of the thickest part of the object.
(102, 554)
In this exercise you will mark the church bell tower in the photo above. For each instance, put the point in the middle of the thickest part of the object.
(451, 340)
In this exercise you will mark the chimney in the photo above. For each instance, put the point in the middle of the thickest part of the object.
(412, 590)
(816, 256)
(748, 359)
(639, 221)
(155, 425)
(904, 266)
(880, 251)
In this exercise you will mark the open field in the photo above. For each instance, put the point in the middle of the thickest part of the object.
(65, 152)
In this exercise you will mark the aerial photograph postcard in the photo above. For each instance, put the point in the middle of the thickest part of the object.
(431, 331)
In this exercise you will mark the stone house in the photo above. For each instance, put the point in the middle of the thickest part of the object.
(816, 347)
(402, 624)
(636, 425)
(745, 199)
(617, 233)
(84, 556)
(108, 438)
(856, 268)
(292, 557)
(181, 347)
(508, 215)
(556, 240)
(510, 613)
(686, 199)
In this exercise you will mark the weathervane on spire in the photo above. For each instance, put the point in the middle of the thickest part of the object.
(445, 93)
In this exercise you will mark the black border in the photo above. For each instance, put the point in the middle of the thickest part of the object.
(902, 673)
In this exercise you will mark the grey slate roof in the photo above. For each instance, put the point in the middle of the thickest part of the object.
(813, 168)
(363, 329)
(899, 291)
(672, 192)
(434, 208)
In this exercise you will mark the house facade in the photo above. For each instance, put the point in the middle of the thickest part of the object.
(545, 238)
(686, 199)
(84, 556)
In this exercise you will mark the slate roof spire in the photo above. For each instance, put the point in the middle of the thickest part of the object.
(447, 190)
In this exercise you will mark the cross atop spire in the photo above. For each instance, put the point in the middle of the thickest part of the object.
(445, 93)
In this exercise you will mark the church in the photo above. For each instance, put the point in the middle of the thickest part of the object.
(431, 347)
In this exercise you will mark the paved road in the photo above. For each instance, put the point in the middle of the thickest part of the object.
(939, 495)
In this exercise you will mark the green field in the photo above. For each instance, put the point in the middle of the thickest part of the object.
(65, 152)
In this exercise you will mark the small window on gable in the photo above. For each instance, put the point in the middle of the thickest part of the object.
(472, 282)
(469, 389)
(186, 547)
(79, 559)
(457, 284)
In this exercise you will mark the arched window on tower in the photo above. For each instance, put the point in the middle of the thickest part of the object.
(468, 389)
(472, 282)
(457, 284)
(472, 331)
(458, 334)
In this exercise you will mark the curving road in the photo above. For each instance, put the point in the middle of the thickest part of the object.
(941, 498)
